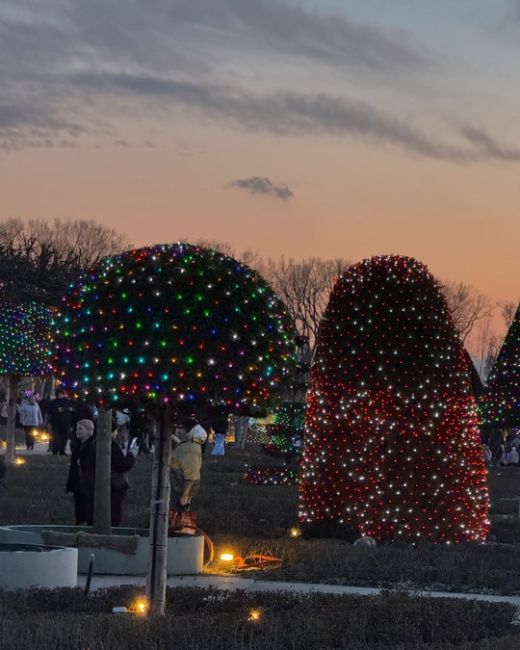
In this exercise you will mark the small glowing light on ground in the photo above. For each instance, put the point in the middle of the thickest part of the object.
(140, 606)
(19, 461)
(255, 615)
(227, 557)
(44, 437)
(295, 532)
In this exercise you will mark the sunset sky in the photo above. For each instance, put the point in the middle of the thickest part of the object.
(320, 128)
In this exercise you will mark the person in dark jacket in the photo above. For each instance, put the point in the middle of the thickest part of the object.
(82, 475)
(61, 418)
(120, 464)
(137, 431)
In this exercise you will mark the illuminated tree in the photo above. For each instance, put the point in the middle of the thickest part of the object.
(392, 447)
(174, 323)
(26, 341)
(287, 427)
(500, 405)
(285, 442)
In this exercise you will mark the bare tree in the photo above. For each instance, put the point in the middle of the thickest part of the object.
(39, 258)
(485, 346)
(486, 343)
(305, 286)
(249, 257)
(467, 306)
(508, 310)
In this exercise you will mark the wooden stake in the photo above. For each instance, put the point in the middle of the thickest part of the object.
(102, 510)
(160, 506)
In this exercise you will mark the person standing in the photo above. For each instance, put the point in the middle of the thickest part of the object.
(219, 424)
(61, 418)
(30, 418)
(123, 427)
(120, 464)
(82, 475)
(186, 463)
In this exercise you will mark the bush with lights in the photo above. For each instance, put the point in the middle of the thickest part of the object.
(26, 347)
(285, 442)
(286, 431)
(26, 339)
(392, 446)
(500, 404)
(175, 322)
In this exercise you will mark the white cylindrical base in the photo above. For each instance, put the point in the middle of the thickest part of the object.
(23, 566)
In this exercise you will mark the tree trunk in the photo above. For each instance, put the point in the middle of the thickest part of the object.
(102, 512)
(160, 506)
(12, 388)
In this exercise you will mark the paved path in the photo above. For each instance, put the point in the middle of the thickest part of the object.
(233, 583)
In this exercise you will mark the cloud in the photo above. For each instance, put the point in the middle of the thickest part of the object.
(291, 28)
(69, 69)
(35, 125)
(262, 185)
(489, 147)
(294, 114)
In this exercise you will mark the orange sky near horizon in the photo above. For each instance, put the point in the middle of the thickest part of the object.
(462, 221)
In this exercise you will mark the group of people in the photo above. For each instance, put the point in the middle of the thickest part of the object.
(188, 440)
(81, 480)
(58, 416)
(74, 423)
(503, 449)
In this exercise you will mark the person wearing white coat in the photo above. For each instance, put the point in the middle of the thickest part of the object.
(31, 418)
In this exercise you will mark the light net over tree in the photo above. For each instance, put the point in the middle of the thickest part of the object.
(26, 339)
(172, 323)
(392, 447)
(500, 404)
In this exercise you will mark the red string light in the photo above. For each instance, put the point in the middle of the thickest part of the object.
(392, 446)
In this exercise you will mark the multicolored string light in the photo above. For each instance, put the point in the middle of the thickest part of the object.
(392, 446)
(286, 442)
(500, 404)
(26, 339)
(286, 430)
(279, 476)
(175, 322)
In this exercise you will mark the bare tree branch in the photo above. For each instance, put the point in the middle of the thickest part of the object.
(467, 306)
(508, 310)
(304, 286)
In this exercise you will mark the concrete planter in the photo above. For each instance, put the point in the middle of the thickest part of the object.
(185, 552)
(23, 566)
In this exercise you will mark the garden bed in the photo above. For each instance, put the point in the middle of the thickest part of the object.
(198, 618)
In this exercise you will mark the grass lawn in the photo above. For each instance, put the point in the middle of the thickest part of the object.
(256, 518)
